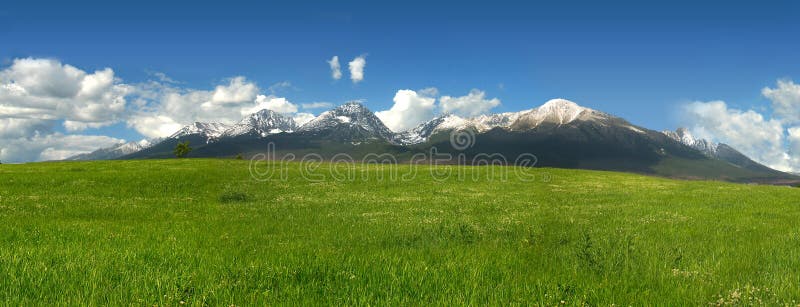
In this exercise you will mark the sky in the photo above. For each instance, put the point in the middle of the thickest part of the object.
(75, 76)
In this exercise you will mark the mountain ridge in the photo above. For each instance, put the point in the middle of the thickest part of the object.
(562, 132)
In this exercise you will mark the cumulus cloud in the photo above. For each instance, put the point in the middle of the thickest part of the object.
(794, 147)
(336, 69)
(748, 131)
(473, 104)
(237, 91)
(37, 95)
(154, 125)
(357, 68)
(409, 110)
(166, 108)
(11, 128)
(55, 146)
(47, 89)
(785, 100)
(277, 104)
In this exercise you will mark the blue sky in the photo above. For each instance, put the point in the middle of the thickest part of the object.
(637, 60)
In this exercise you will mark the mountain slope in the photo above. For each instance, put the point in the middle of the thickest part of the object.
(351, 122)
(719, 151)
(560, 133)
(684, 136)
(209, 131)
(556, 111)
(261, 123)
(116, 151)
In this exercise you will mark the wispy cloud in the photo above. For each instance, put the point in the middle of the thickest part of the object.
(317, 105)
(277, 87)
(336, 69)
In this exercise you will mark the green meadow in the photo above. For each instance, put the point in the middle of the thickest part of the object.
(203, 232)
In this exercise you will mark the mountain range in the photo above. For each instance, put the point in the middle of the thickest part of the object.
(560, 133)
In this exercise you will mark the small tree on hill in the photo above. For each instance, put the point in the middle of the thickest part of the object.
(239, 157)
(182, 149)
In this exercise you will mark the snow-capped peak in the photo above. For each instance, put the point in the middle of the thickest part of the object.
(481, 123)
(451, 121)
(117, 150)
(685, 137)
(560, 112)
(262, 123)
(564, 111)
(351, 115)
(209, 130)
(555, 111)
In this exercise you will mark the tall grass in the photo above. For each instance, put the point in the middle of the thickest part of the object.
(202, 232)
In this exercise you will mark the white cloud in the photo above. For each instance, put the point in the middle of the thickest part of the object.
(357, 68)
(785, 100)
(22, 127)
(73, 126)
(794, 146)
(237, 91)
(154, 125)
(409, 110)
(759, 138)
(47, 89)
(38, 94)
(51, 147)
(163, 108)
(473, 104)
(302, 118)
(317, 105)
(277, 104)
(336, 69)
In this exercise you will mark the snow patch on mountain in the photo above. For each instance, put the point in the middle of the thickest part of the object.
(555, 111)
(559, 112)
(351, 114)
(211, 131)
(683, 135)
(117, 150)
(262, 123)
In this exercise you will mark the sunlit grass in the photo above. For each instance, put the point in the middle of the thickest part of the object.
(203, 232)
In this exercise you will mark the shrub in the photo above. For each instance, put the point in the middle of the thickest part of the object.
(232, 197)
(182, 149)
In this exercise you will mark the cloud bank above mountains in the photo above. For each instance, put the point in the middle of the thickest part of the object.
(49, 110)
(46, 107)
(772, 139)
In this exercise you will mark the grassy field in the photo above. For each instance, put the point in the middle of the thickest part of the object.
(203, 232)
